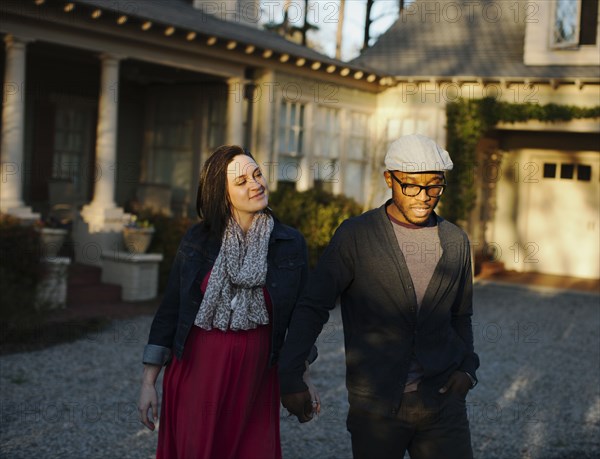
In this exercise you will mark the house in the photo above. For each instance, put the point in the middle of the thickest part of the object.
(538, 188)
(110, 104)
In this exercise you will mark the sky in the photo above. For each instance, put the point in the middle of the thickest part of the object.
(325, 14)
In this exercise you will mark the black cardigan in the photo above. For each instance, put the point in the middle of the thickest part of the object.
(364, 264)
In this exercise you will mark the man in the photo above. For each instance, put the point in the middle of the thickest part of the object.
(404, 277)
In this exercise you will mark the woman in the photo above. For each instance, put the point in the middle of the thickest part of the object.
(222, 321)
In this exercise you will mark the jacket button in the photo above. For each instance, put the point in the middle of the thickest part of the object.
(274, 284)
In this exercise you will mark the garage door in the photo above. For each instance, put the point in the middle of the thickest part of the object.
(562, 214)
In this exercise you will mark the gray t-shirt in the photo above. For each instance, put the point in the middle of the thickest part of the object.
(422, 250)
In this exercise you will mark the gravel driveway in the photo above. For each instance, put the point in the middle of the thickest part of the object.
(538, 396)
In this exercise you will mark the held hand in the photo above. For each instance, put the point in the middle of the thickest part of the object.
(315, 399)
(458, 383)
(148, 400)
(299, 404)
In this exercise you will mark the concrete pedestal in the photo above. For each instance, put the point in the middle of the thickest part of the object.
(136, 273)
(52, 291)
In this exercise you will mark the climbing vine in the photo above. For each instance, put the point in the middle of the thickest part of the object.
(468, 121)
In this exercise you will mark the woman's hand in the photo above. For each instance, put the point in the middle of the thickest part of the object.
(314, 394)
(149, 396)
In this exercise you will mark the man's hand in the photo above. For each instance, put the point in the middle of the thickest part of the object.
(299, 404)
(315, 399)
(458, 383)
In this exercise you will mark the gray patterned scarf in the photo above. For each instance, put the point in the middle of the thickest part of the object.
(234, 298)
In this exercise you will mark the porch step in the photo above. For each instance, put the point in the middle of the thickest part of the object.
(85, 288)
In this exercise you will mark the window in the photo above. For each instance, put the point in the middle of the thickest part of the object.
(171, 149)
(567, 171)
(356, 168)
(291, 140)
(71, 137)
(327, 148)
(549, 170)
(584, 172)
(575, 23)
(217, 120)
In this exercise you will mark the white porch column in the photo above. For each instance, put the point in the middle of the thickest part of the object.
(235, 112)
(265, 104)
(13, 120)
(102, 214)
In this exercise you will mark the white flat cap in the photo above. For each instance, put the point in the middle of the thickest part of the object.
(417, 153)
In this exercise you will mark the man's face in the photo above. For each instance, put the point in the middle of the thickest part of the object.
(417, 209)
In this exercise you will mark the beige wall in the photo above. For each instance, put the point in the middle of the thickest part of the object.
(538, 38)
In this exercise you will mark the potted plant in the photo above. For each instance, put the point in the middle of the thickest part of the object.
(52, 234)
(137, 235)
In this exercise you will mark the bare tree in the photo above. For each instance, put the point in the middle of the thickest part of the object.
(292, 32)
(368, 22)
(340, 27)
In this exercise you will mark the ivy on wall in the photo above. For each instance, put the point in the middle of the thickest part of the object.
(468, 121)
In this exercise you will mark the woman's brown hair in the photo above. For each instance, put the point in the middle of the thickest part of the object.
(212, 202)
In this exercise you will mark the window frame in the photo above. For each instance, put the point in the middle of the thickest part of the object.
(299, 130)
(571, 44)
(325, 159)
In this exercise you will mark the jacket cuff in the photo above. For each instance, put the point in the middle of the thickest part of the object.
(156, 355)
(291, 383)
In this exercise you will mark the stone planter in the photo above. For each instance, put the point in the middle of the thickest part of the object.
(52, 291)
(137, 274)
(137, 240)
(52, 240)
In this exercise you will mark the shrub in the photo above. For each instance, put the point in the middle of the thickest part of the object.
(20, 274)
(315, 213)
(168, 232)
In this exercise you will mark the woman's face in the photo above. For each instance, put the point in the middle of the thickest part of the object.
(246, 186)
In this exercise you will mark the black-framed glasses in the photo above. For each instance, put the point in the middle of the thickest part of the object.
(411, 190)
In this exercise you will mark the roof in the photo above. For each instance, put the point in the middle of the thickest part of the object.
(461, 38)
(182, 15)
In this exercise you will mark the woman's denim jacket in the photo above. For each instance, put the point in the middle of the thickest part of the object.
(287, 269)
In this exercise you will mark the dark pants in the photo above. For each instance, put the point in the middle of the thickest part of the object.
(429, 426)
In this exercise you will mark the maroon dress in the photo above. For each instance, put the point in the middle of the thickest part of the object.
(221, 400)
